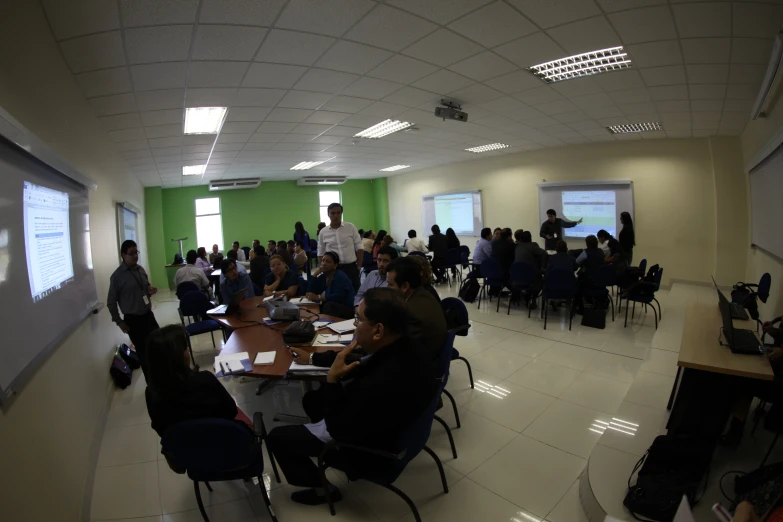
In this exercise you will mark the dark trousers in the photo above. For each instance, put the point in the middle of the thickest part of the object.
(436, 263)
(352, 271)
(140, 327)
(293, 447)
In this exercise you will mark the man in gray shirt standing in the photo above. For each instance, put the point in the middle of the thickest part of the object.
(130, 288)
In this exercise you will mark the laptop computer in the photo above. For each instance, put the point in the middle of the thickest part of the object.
(740, 341)
(231, 308)
(737, 310)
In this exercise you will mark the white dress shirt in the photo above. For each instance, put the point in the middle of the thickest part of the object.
(241, 255)
(192, 274)
(416, 244)
(344, 241)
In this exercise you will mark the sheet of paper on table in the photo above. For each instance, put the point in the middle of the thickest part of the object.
(343, 326)
(301, 301)
(232, 363)
(307, 368)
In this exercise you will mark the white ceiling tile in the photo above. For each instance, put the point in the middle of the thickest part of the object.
(227, 42)
(163, 117)
(705, 116)
(483, 66)
(707, 91)
(493, 25)
(585, 35)
(139, 144)
(216, 74)
(706, 50)
(475, 94)
(655, 54)
(127, 135)
(669, 92)
(668, 75)
(247, 113)
(443, 48)
(273, 75)
(514, 82)
(741, 91)
(163, 151)
(142, 162)
(311, 128)
(288, 115)
(332, 18)
(757, 20)
(164, 99)
(630, 96)
(219, 148)
(592, 100)
(269, 128)
(156, 76)
(439, 11)
(214, 97)
(304, 100)
(69, 19)
(323, 80)
(98, 51)
(548, 13)
(673, 106)
(366, 87)
(352, 57)
(538, 95)
(114, 104)
(607, 111)
(157, 12)
(751, 50)
(382, 109)
(640, 111)
(743, 106)
(135, 154)
(121, 121)
(164, 131)
(619, 80)
(326, 117)
(411, 97)
(577, 87)
(703, 20)
(390, 28)
(556, 107)
(259, 97)
(531, 50)
(198, 139)
(644, 25)
(746, 73)
(402, 69)
(169, 43)
(707, 105)
(293, 47)
(621, 5)
(712, 73)
(104, 82)
(232, 138)
(443, 82)
(538, 123)
(505, 106)
(242, 12)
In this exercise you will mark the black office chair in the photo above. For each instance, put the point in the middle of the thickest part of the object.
(458, 322)
(558, 285)
(645, 295)
(598, 289)
(453, 262)
(522, 278)
(492, 273)
(182, 289)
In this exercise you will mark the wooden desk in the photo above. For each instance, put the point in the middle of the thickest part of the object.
(250, 314)
(700, 349)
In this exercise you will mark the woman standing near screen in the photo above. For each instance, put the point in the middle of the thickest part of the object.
(627, 236)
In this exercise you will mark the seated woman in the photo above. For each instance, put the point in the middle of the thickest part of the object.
(619, 259)
(202, 262)
(426, 275)
(280, 281)
(562, 260)
(377, 244)
(332, 288)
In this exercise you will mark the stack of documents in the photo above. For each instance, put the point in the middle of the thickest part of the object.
(345, 338)
(343, 326)
(309, 368)
(232, 363)
(265, 358)
(301, 301)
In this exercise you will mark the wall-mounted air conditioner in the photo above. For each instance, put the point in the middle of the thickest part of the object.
(769, 87)
(234, 184)
(321, 180)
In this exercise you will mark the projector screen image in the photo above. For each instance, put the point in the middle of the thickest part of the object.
(461, 211)
(596, 208)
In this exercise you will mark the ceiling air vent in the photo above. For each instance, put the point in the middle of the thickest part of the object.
(321, 180)
(234, 184)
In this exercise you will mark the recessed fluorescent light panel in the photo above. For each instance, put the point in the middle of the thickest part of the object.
(395, 167)
(305, 165)
(204, 120)
(193, 170)
(635, 127)
(487, 148)
(594, 62)
(383, 128)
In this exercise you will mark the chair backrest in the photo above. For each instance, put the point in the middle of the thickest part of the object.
(367, 260)
(465, 258)
(561, 282)
(606, 275)
(465, 249)
(765, 283)
(246, 250)
(257, 290)
(210, 445)
(444, 359)
(194, 303)
(643, 266)
(522, 273)
(491, 269)
(453, 256)
(313, 245)
(302, 290)
(184, 288)
(455, 308)
(417, 253)
(658, 277)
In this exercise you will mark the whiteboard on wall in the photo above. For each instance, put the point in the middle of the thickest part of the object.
(766, 210)
(461, 211)
(597, 203)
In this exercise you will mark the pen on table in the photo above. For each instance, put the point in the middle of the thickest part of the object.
(293, 353)
(721, 513)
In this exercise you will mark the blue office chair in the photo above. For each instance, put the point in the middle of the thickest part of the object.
(492, 273)
(196, 304)
(465, 251)
(458, 323)
(367, 264)
(182, 289)
(214, 450)
(558, 285)
(645, 293)
(603, 279)
(453, 261)
(522, 277)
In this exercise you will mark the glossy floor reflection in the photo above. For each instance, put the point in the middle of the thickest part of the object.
(543, 400)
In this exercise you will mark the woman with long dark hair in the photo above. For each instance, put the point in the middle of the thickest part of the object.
(202, 262)
(627, 237)
(377, 244)
(332, 289)
(301, 235)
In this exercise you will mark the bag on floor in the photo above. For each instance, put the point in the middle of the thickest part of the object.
(594, 318)
(130, 357)
(120, 372)
(469, 290)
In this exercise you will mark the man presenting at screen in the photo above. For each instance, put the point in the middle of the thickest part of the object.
(552, 229)
(130, 288)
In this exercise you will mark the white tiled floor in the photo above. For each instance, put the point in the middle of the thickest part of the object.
(542, 402)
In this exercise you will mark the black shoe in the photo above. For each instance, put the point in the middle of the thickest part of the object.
(733, 437)
(309, 497)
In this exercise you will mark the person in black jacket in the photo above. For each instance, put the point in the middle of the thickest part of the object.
(627, 237)
(552, 229)
(437, 246)
(259, 266)
(379, 399)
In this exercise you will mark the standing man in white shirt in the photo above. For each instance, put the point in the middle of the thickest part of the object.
(343, 239)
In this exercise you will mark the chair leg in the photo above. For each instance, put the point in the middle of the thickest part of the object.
(269, 453)
(481, 290)
(325, 484)
(758, 415)
(190, 348)
(508, 312)
(771, 447)
(213, 339)
(612, 303)
(674, 390)
(266, 499)
(498, 307)
(545, 312)
(208, 486)
(407, 500)
(633, 310)
(626, 313)
(655, 313)
(571, 314)
(660, 314)
(440, 469)
(453, 405)
(470, 370)
(200, 503)
(448, 433)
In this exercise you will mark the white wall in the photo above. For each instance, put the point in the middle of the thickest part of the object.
(678, 193)
(47, 433)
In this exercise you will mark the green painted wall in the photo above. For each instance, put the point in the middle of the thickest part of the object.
(153, 222)
(381, 204)
(266, 212)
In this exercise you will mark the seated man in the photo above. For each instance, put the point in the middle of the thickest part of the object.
(415, 244)
(231, 254)
(259, 266)
(271, 248)
(300, 256)
(527, 251)
(282, 251)
(561, 260)
(379, 398)
(234, 281)
(239, 252)
(212, 255)
(483, 251)
(376, 278)
(192, 273)
(591, 258)
(256, 243)
(438, 246)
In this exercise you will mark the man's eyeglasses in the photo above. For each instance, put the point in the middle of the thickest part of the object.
(133, 254)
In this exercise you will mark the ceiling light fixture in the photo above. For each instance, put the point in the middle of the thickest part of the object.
(487, 148)
(383, 128)
(204, 120)
(636, 127)
(594, 62)
(395, 167)
(193, 170)
(305, 165)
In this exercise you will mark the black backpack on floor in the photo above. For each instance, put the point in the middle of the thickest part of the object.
(469, 290)
(120, 372)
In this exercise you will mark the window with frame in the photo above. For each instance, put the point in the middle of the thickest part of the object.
(209, 224)
(326, 198)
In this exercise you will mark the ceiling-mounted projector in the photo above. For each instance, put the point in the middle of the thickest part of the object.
(451, 111)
